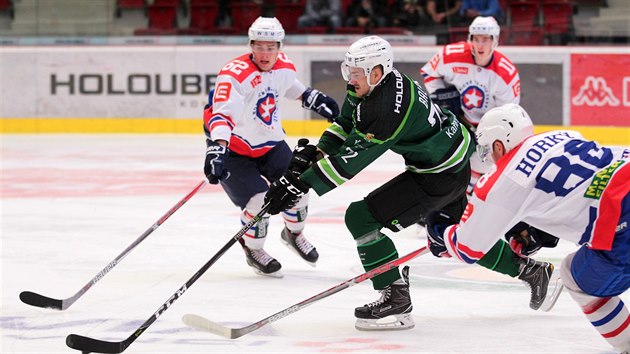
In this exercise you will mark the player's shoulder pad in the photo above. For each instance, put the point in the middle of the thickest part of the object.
(283, 62)
(503, 67)
(459, 52)
(239, 68)
(381, 113)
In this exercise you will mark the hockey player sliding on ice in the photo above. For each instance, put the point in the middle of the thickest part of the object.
(562, 183)
(386, 110)
(245, 139)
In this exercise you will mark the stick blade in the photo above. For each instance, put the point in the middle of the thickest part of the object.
(37, 300)
(204, 324)
(91, 345)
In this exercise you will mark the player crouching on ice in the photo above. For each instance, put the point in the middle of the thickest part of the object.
(561, 183)
(386, 110)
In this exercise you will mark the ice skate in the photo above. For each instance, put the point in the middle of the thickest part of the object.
(544, 284)
(261, 262)
(300, 245)
(394, 304)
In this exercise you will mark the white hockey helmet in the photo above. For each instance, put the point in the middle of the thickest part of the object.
(486, 26)
(267, 29)
(368, 53)
(509, 124)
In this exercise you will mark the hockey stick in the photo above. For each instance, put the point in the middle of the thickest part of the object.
(91, 345)
(34, 299)
(233, 333)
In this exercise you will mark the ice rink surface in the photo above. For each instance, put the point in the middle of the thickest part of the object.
(71, 203)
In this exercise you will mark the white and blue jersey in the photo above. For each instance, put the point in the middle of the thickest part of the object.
(557, 182)
(481, 87)
(245, 109)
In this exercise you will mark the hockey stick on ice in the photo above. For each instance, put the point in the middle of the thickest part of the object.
(233, 333)
(34, 299)
(91, 345)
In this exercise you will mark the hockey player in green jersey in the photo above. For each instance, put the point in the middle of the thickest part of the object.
(386, 110)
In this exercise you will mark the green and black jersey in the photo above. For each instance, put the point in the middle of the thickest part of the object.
(397, 116)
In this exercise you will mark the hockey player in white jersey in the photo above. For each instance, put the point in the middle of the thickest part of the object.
(470, 78)
(245, 140)
(564, 184)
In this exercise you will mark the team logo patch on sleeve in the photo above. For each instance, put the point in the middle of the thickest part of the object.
(516, 89)
(222, 92)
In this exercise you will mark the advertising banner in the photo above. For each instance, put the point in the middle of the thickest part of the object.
(600, 89)
(105, 82)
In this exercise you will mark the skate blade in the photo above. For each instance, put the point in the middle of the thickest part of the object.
(553, 292)
(312, 264)
(277, 274)
(389, 323)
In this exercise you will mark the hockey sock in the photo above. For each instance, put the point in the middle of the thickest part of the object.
(255, 237)
(500, 259)
(609, 315)
(373, 246)
(295, 218)
(376, 253)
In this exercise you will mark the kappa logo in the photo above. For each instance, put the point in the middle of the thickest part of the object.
(473, 97)
(265, 108)
(595, 92)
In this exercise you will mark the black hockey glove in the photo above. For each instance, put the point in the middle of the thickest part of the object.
(215, 158)
(448, 98)
(437, 222)
(284, 193)
(304, 155)
(317, 101)
(525, 240)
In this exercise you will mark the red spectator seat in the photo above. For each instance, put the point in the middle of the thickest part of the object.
(288, 14)
(524, 14)
(531, 36)
(243, 15)
(388, 30)
(154, 32)
(345, 5)
(557, 16)
(162, 17)
(457, 34)
(7, 6)
(504, 36)
(350, 30)
(183, 7)
(203, 17)
(126, 5)
(312, 30)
